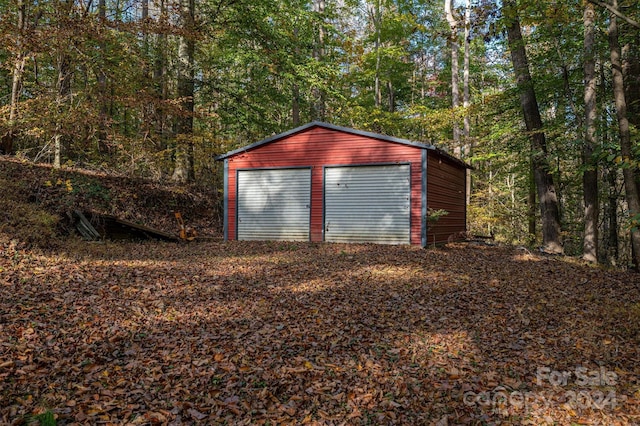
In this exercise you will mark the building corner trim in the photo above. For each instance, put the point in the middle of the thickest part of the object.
(423, 200)
(225, 219)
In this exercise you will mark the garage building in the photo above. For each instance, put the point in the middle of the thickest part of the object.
(321, 182)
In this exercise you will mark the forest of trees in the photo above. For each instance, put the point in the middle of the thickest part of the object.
(541, 97)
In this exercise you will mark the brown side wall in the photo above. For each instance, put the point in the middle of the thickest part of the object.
(446, 189)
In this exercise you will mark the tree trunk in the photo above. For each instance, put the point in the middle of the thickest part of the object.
(6, 146)
(319, 111)
(159, 80)
(184, 170)
(6, 143)
(631, 76)
(631, 73)
(466, 100)
(455, 89)
(466, 95)
(590, 174)
(295, 90)
(377, 21)
(531, 203)
(63, 92)
(295, 105)
(551, 238)
(630, 187)
(612, 213)
(609, 175)
(63, 84)
(102, 85)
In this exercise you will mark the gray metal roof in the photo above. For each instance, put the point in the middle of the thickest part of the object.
(345, 130)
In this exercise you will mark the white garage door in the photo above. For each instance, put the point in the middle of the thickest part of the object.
(367, 204)
(274, 204)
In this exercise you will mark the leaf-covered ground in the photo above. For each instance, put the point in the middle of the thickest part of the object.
(295, 333)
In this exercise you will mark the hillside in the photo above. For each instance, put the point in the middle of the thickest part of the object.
(38, 202)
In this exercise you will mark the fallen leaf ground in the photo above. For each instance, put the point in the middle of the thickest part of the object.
(296, 333)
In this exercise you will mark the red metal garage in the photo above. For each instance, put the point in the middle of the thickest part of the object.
(321, 182)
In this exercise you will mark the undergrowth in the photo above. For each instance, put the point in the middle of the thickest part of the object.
(38, 202)
(23, 220)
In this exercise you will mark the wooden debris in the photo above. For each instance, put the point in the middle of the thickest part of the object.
(100, 226)
(85, 228)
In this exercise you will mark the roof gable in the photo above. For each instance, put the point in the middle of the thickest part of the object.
(348, 130)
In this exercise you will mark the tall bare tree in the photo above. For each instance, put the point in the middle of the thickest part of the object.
(160, 77)
(184, 157)
(7, 141)
(466, 94)
(295, 89)
(455, 78)
(376, 18)
(65, 74)
(590, 173)
(547, 197)
(101, 77)
(319, 110)
(630, 185)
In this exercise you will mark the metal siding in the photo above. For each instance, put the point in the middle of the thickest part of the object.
(274, 204)
(344, 130)
(446, 189)
(423, 199)
(318, 147)
(368, 204)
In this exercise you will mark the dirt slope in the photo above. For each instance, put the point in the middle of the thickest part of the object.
(38, 201)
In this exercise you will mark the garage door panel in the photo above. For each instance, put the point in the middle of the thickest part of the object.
(367, 204)
(274, 204)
